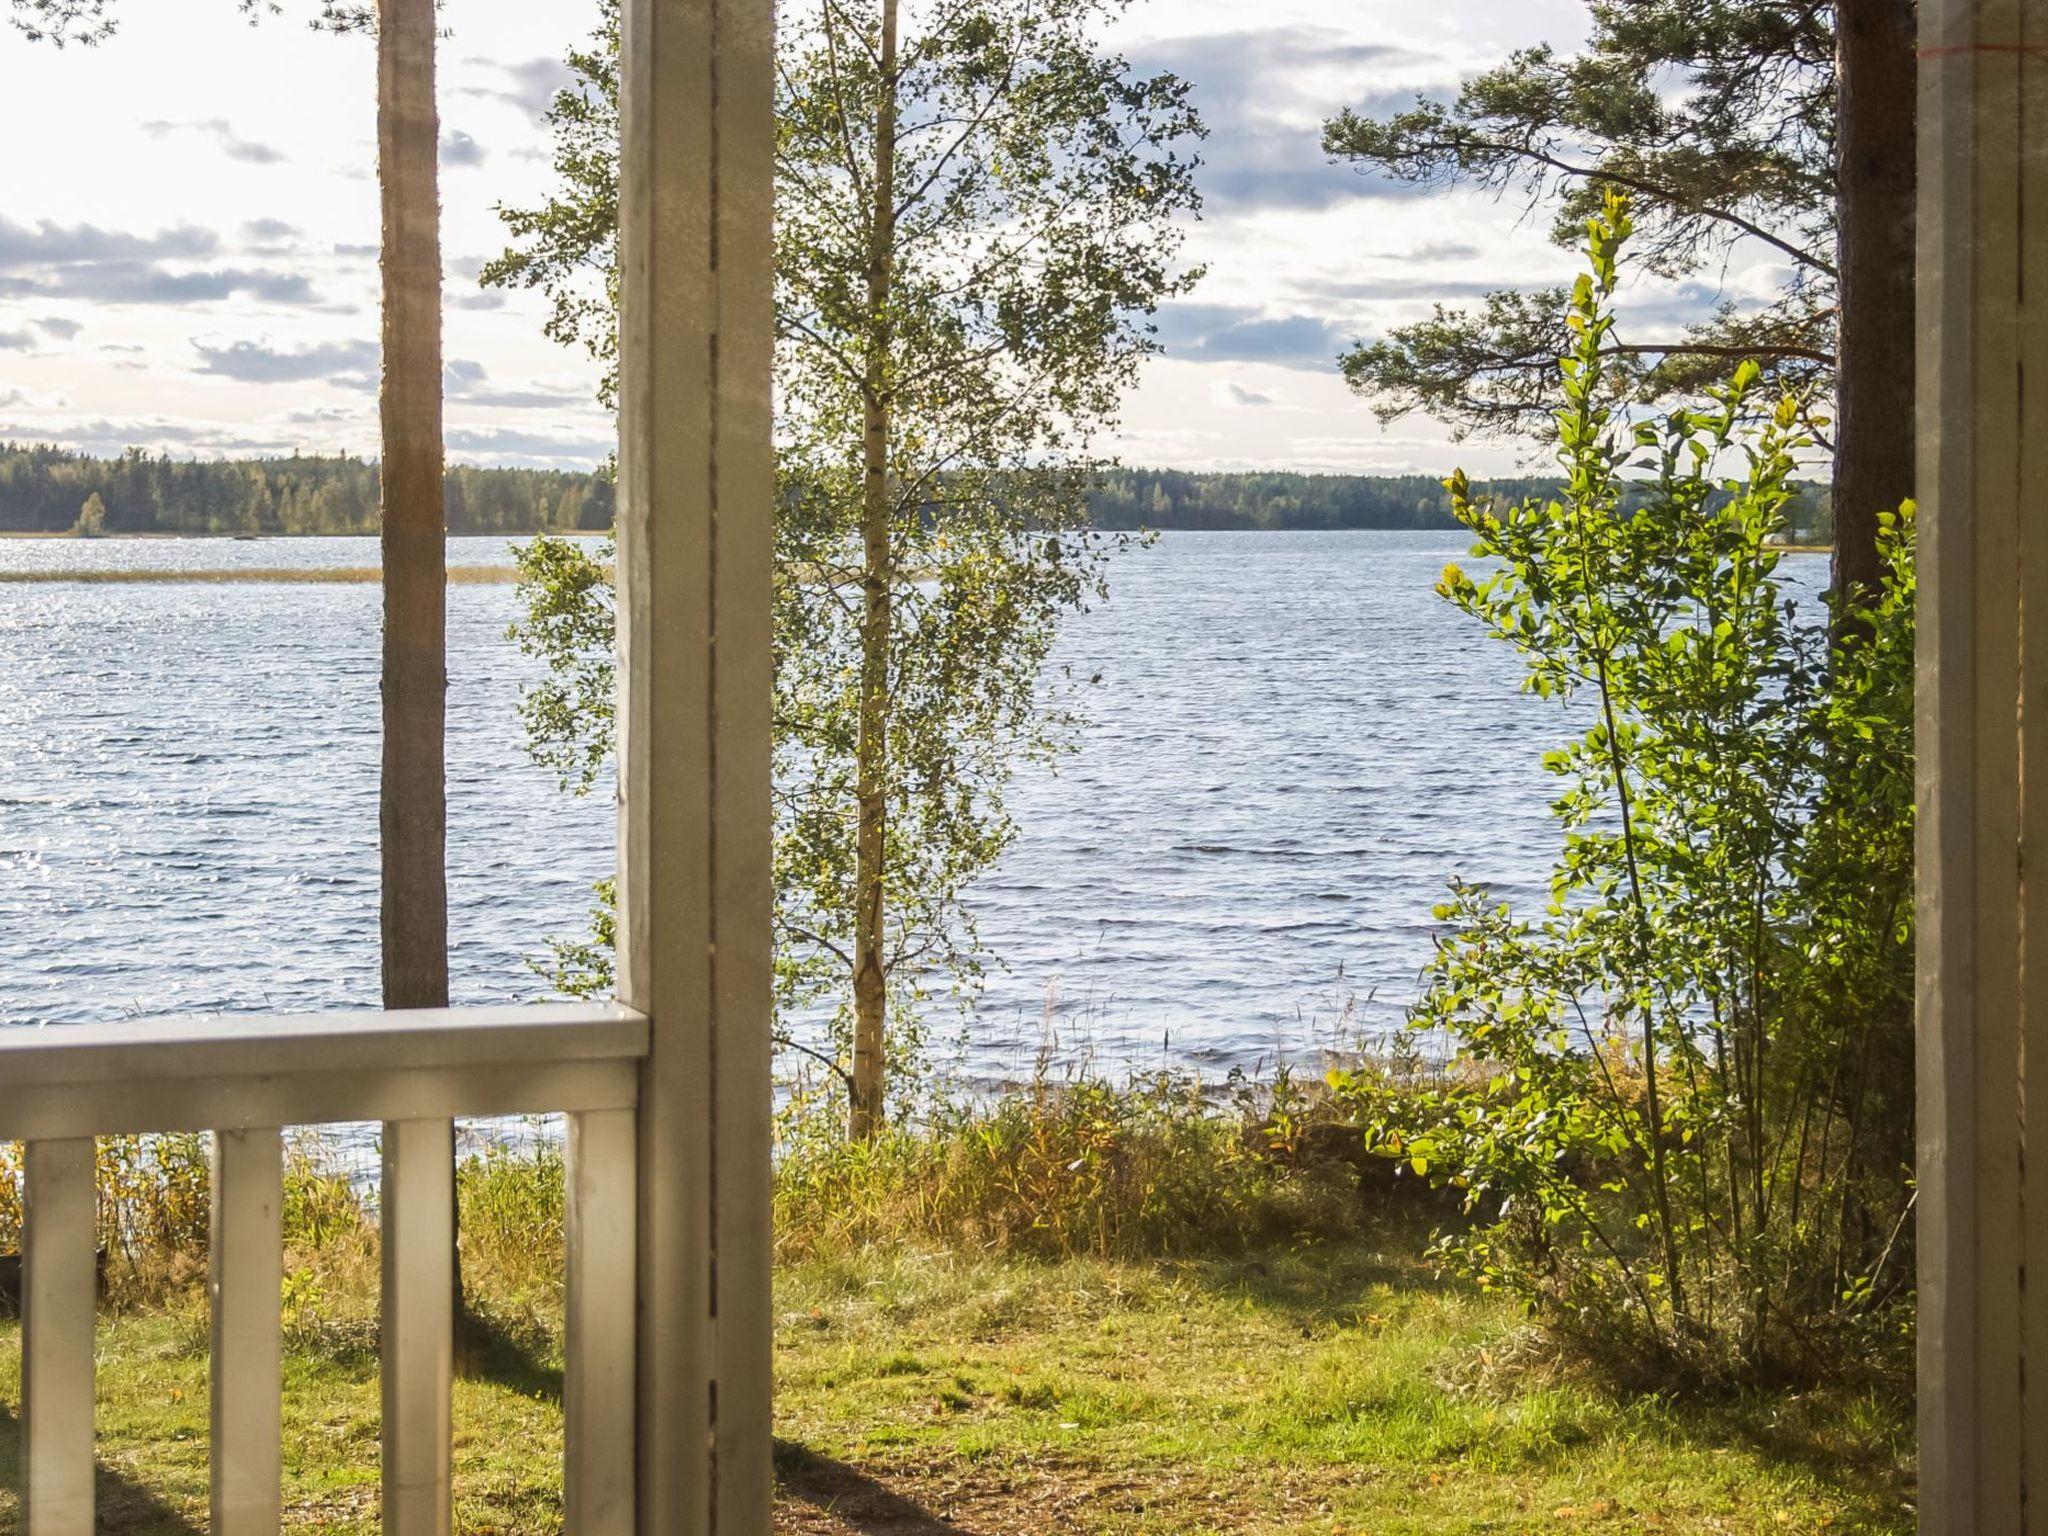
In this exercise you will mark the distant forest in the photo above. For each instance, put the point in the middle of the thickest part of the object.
(1172, 498)
(43, 490)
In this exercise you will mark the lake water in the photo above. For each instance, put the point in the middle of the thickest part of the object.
(1293, 745)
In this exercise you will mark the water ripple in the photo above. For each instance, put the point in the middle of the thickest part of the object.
(1294, 745)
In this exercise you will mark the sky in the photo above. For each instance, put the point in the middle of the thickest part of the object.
(189, 217)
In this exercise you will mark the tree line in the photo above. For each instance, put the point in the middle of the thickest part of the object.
(43, 489)
(1174, 498)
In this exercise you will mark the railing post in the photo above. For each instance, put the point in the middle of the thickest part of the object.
(417, 1325)
(695, 534)
(597, 1389)
(247, 1262)
(59, 1292)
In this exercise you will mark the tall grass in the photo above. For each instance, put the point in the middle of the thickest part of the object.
(1084, 1166)
(1081, 1166)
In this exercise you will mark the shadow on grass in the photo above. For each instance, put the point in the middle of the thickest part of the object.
(852, 1498)
(125, 1507)
(486, 1350)
(1323, 1283)
(1873, 1480)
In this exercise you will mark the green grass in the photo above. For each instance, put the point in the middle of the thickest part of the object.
(1333, 1388)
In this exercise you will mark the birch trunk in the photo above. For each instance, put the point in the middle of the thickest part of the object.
(870, 965)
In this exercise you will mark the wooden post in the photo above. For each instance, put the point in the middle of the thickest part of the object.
(1982, 720)
(246, 1258)
(417, 1326)
(696, 496)
(58, 1294)
(597, 1385)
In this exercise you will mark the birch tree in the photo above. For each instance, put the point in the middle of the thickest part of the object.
(978, 208)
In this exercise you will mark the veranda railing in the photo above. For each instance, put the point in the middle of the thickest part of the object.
(244, 1080)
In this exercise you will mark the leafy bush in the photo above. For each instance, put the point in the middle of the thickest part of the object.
(1684, 1125)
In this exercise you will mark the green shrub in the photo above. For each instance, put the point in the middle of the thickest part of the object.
(1684, 1123)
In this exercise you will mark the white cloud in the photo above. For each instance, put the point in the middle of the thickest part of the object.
(1228, 392)
(222, 132)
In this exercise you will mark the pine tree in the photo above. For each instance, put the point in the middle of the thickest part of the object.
(1787, 126)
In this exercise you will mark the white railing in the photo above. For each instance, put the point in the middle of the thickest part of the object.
(245, 1079)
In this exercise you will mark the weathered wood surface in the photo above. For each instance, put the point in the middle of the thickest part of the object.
(695, 528)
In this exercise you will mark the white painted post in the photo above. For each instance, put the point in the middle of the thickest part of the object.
(247, 1274)
(1982, 753)
(597, 1390)
(418, 1324)
(695, 531)
(59, 1290)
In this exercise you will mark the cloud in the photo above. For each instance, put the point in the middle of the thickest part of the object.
(84, 261)
(222, 132)
(530, 85)
(529, 399)
(59, 327)
(459, 149)
(465, 379)
(16, 341)
(354, 365)
(1232, 333)
(52, 244)
(485, 299)
(134, 282)
(1228, 392)
(501, 444)
(1264, 95)
(1390, 289)
(108, 436)
(1653, 310)
(269, 234)
(350, 363)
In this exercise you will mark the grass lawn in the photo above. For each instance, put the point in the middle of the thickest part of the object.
(1334, 1389)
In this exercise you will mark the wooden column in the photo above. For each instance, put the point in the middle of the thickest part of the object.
(1983, 724)
(696, 494)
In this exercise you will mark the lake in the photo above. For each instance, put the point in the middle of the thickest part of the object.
(1293, 745)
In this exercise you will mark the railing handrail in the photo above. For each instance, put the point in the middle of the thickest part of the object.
(251, 1044)
(227, 1071)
